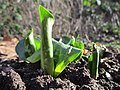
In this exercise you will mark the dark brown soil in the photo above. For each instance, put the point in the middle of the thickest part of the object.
(18, 75)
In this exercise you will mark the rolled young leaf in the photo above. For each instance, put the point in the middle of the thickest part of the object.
(93, 63)
(46, 23)
(27, 46)
(30, 44)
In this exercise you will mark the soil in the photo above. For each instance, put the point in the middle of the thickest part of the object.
(18, 75)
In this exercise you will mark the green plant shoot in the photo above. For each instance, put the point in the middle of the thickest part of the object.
(54, 55)
(94, 60)
(93, 63)
(46, 23)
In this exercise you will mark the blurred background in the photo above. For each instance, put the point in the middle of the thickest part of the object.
(91, 20)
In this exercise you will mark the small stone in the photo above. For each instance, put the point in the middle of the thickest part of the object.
(3, 73)
(108, 76)
(85, 87)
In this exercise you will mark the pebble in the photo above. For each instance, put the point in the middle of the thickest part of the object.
(108, 76)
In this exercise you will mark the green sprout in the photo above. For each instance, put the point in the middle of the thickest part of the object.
(94, 60)
(54, 55)
(46, 23)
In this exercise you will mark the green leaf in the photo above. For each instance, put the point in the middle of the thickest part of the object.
(20, 49)
(26, 47)
(65, 40)
(90, 61)
(31, 44)
(37, 43)
(94, 60)
(73, 42)
(63, 55)
(35, 57)
(95, 64)
(44, 14)
(46, 23)
(78, 44)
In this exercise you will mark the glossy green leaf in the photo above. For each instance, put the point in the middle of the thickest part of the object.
(26, 47)
(90, 60)
(44, 14)
(37, 43)
(20, 49)
(35, 57)
(46, 23)
(63, 55)
(31, 44)
(66, 40)
(93, 62)
(78, 44)
(73, 42)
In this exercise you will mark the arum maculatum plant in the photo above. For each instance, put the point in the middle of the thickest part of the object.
(95, 59)
(54, 55)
